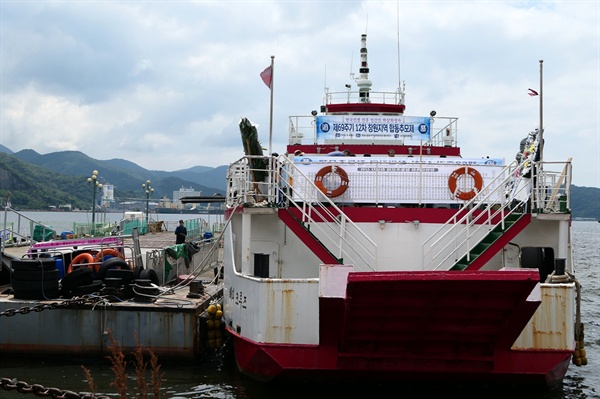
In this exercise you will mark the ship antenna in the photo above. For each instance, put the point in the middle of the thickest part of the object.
(541, 136)
(325, 81)
(398, 38)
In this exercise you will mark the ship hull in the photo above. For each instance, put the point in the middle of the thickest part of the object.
(434, 326)
(270, 362)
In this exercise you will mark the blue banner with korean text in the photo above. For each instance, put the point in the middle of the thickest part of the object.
(373, 127)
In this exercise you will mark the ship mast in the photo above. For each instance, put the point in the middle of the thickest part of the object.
(363, 82)
(541, 137)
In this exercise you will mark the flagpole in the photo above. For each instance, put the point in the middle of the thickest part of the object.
(271, 110)
(541, 138)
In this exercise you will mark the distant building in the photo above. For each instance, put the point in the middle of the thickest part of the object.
(108, 195)
(184, 192)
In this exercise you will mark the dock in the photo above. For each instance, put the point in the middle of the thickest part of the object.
(170, 319)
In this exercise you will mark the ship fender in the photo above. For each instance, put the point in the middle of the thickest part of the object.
(105, 254)
(81, 259)
(465, 195)
(341, 189)
(112, 263)
(79, 277)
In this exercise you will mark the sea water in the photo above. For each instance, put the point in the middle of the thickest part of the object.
(216, 376)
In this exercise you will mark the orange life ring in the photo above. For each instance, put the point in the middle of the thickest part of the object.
(107, 252)
(85, 257)
(341, 189)
(465, 195)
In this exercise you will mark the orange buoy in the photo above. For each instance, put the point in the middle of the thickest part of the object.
(83, 258)
(460, 194)
(341, 189)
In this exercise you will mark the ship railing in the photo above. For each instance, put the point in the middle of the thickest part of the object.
(355, 96)
(14, 237)
(65, 250)
(319, 214)
(444, 132)
(488, 208)
(302, 129)
(206, 258)
(552, 193)
(514, 192)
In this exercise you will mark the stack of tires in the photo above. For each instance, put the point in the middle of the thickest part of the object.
(79, 282)
(145, 285)
(35, 278)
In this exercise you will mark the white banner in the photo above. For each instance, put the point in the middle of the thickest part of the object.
(396, 180)
(373, 127)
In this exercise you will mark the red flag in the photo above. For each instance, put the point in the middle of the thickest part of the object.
(532, 92)
(266, 76)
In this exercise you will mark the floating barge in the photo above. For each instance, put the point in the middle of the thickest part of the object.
(169, 318)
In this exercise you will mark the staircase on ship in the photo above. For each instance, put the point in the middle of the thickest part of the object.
(466, 242)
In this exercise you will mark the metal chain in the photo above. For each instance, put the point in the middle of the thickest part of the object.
(81, 300)
(8, 384)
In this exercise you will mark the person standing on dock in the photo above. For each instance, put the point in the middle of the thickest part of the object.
(180, 233)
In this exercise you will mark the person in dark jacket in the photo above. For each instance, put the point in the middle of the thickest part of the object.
(180, 233)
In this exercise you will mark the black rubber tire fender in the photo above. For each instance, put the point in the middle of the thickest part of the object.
(81, 276)
(35, 275)
(37, 294)
(33, 264)
(40, 285)
(149, 274)
(95, 286)
(111, 263)
(136, 272)
(125, 275)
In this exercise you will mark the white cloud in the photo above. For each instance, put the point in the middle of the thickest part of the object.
(165, 84)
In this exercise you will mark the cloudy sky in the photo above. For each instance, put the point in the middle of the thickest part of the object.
(165, 83)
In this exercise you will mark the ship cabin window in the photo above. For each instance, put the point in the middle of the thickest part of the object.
(540, 258)
(261, 265)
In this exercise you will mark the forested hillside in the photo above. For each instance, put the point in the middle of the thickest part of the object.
(42, 181)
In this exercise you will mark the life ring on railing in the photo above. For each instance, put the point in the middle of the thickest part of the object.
(83, 258)
(107, 252)
(341, 189)
(465, 195)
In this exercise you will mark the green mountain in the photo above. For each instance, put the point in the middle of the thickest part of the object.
(39, 181)
(585, 202)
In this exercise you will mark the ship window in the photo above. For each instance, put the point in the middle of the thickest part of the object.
(261, 265)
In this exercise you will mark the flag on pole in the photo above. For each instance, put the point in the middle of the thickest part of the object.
(533, 93)
(266, 76)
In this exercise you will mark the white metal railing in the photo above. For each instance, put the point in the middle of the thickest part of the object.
(321, 216)
(207, 257)
(444, 133)
(454, 240)
(355, 97)
(553, 194)
(16, 236)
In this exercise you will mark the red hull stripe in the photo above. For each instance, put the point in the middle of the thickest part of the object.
(399, 215)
